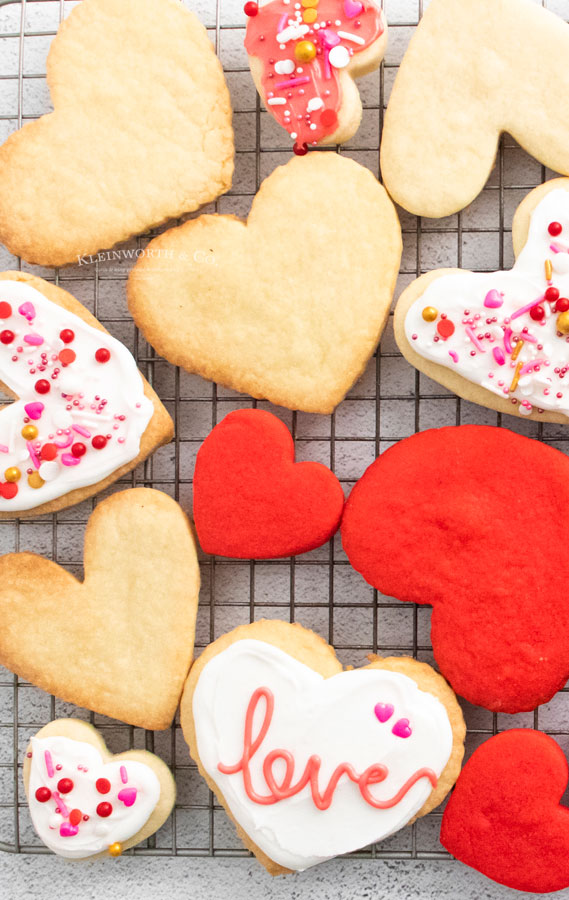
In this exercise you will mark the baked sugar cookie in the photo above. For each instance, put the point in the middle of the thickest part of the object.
(505, 818)
(474, 69)
(84, 415)
(311, 761)
(85, 802)
(445, 518)
(120, 642)
(500, 339)
(140, 133)
(288, 306)
(304, 61)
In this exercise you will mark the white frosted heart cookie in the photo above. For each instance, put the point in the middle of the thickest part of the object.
(304, 61)
(311, 761)
(500, 339)
(140, 132)
(84, 802)
(474, 69)
(84, 415)
(288, 306)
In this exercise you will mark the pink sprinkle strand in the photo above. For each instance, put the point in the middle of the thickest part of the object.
(69, 460)
(294, 82)
(525, 309)
(33, 455)
(4, 448)
(508, 340)
(558, 248)
(62, 807)
(453, 355)
(474, 339)
(49, 764)
(499, 356)
(124, 776)
(35, 340)
(84, 432)
(61, 445)
(530, 366)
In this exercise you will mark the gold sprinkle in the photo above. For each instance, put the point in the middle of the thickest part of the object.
(517, 349)
(516, 377)
(548, 269)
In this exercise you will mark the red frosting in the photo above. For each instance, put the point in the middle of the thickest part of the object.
(252, 501)
(318, 80)
(504, 817)
(474, 521)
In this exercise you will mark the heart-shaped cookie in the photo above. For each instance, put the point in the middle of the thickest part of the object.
(84, 415)
(289, 306)
(500, 339)
(120, 642)
(293, 748)
(140, 133)
(85, 802)
(444, 518)
(473, 70)
(504, 817)
(252, 501)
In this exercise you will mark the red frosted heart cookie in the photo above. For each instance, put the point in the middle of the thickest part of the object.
(504, 817)
(252, 501)
(474, 521)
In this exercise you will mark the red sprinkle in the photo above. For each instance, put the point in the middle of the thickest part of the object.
(42, 386)
(7, 336)
(300, 149)
(48, 452)
(66, 357)
(103, 785)
(5, 310)
(445, 328)
(562, 305)
(64, 785)
(551, 294)
(43, 794)
(103, 355)
(328, 118)
(555, 228)
(251, 8)
(78, 450)
(537, 313)
(99, 442)
(104, 810)
(67, 336)
(75, 816)
(8, 490)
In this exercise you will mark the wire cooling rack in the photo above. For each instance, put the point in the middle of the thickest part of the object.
(390, 402)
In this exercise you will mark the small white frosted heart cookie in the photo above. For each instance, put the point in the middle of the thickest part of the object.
(500, 339)
(288, 306)
(474, 69)
(84, 802)
(311, 761)
(304, 61)
(83, 414)
(140, 132)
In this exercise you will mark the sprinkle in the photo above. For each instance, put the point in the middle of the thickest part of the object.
(453, 355)
(559, 248)
(474, 339)
(351, 37)
(498, 354)
(493, 299)
(517, 349)
(61, 804)
(529, 366)
(124, 776)
(276, 101)
(84, 432)
(69, 460)
(507, 340)
(49, 764)
(294, 82)
(33, 455)
(61, 445)
(527, 307)
(4, 448)
(35, 340)
(548, 269)
(516, 377)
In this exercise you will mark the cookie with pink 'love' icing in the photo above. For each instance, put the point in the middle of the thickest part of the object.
(271, 717)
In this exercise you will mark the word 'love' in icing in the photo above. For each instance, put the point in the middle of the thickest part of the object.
(374, 774)
(81, 806)
(302, 51)
(507, 332)
(81, 408)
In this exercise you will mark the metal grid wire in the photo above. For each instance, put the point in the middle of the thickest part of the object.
(391, 401)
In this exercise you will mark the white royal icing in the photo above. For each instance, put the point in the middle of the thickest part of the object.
(543, 388)
(85, 382)
(332, 717)
(82, 763)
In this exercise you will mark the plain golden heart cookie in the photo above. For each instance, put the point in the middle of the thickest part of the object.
(120, 642)
(474, 69)
(288, 306)
(141, 132)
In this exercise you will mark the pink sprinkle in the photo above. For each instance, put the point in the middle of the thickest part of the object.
(282, 23)
(49, 764)
(507, 340)
(84, 432)
(529, 337)
(453, 355)
(124, 776)
(294, 82)
(525, 309)
(35, 340)
(69, 460)
(499, 355)
(474, 339)
(4, 448)
(68, 830)
(61, 445)
(558, 248)
(529, 366)
(62, 807)
(27, 310)
(33, 455)
(493, 299)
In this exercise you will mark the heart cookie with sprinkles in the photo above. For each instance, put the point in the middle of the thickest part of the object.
(120, 642)
(311, 761)
(83, 414)
(288, 306)
(304, 61)
(501, 339)
(473, 521)
(84, 802)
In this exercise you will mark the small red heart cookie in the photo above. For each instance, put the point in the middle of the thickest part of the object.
(504, 817)
(252, 501)
(474, 521)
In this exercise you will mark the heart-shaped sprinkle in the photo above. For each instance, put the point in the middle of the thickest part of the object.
(27, 310)
(402, 728)
(383, 711)
(127, 795)
(34, 410)
(68, 830)
(493, 299)
(352, 8)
